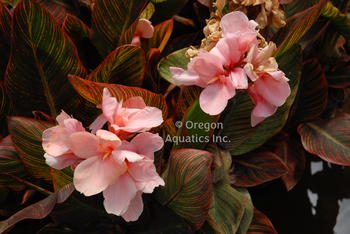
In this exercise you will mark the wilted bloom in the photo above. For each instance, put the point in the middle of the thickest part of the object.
(56, 142)
(126, 117)
(122, 170)
(144, 29)
(285, 1)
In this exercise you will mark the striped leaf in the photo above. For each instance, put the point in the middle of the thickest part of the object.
(10, 163)
(256, 168)
(187, 96)
(292, 154)
(242, 138)
(227, 207)
(5, 110)
(61, 178)
(26, 135)
(44, 117)
(73, 27)
(152, 78)
(38, 210)
(221, 162)
(5, 39)
(311, 99)
(161, 34)
(328, 139)
(196, 128)
(313, 34)
(167, 8)
(59, 8)
(114, 23)
(339, 78)
(260, 224)
(295, 7)
(176, 59)
(189, 192)
(41, 58)
(248, 212)
(296, 27)
(92, 92)
(148, 11)
(125, 65)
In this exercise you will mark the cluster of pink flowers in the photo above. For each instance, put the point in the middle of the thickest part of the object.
(104, 161)
(227, 67)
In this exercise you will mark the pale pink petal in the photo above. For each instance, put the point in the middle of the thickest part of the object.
(227, 50)
(150, 185)
(109, 105)
(144, 28)
(249, 70)
(98, 123)
(61, 161)
(144, 120)
(274, 92)
(237, 22)
(89, 177)
(118, 196)
(147, 143)
(278, 75)
(73, 125)
(180, 76)
(62, 117)
(134, 102)
(52, 142)
(239, 78)
(84, 144)
(213, 99)
(143, 170)
(108, 139)
(135, 209)
(136, 40)
(121, 155)
(246, 40)
(113, 169)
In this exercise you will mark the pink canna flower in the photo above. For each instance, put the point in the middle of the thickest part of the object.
(122, 170)
(144, 29)
(126, 117)
(56, 142)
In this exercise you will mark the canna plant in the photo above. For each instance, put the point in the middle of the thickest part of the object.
(137, 117)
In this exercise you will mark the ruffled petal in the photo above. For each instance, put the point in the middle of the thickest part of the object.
(135, 208)
(84, 144)
(180, 76)
(109, 105)
(144, 28)
(62, 117)
(237, 22)
(98, 123)
(134, 102)
(52, 142)
(143, 170)
(213, 99)
(143, 120)
(239, 78)
(227, 50)
(61, 161)
(113, 170)
(147, 143)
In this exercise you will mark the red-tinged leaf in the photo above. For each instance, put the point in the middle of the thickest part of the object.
(44, 117)
(187, 96)
(60, 178)
(5, 110)
(5, 39)
(189, 192)
(295, 7)
(292, 154)
(196, 128)
(329, 139)
(73, 26)
(248, 212)
(339, 78)
(92, 92)
(38, 210)
(58, 8)
(125, 65)
(242, 138)
(296, 27)
(41, 58)
(10, 163)
(226, 208)
(260, 224)
(165, 9)
(161, 34)
(222, 161)
(274, 143)
(256, 168)
(179, 42)
(114, 23)
(317, 29)
(151, 79)
(311, 99)
(26, 135)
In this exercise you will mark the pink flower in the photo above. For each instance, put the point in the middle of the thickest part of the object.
(238, 23)
(122, 170)
(218, 72)
(56, 142)
(144, 29)
(126, 117)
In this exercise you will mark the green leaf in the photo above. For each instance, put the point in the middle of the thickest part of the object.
(296, 27)
(92, 92)
(339, 21)
(73, 26)
(295, 7)
(248, 212)
(60, 178)
(221, 162)
(114, 23)
(313, 34)
(197, 128)
(189, 192)
(176, 59)
(167, 8)
(242, 138)
(10, 163)
(328, 139)
(41, 58)
(339, 78)
(256, 168)
(311, 99)
(38, 210)
(58, 8)
(125, 65)
(161, 34)
(5, 110)
(152, 79)
(44, 117)
(260, 224)
(5, 39)
(292, 154)
(26, 135)
(227, 207)
(187, 96)
(148, 11)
